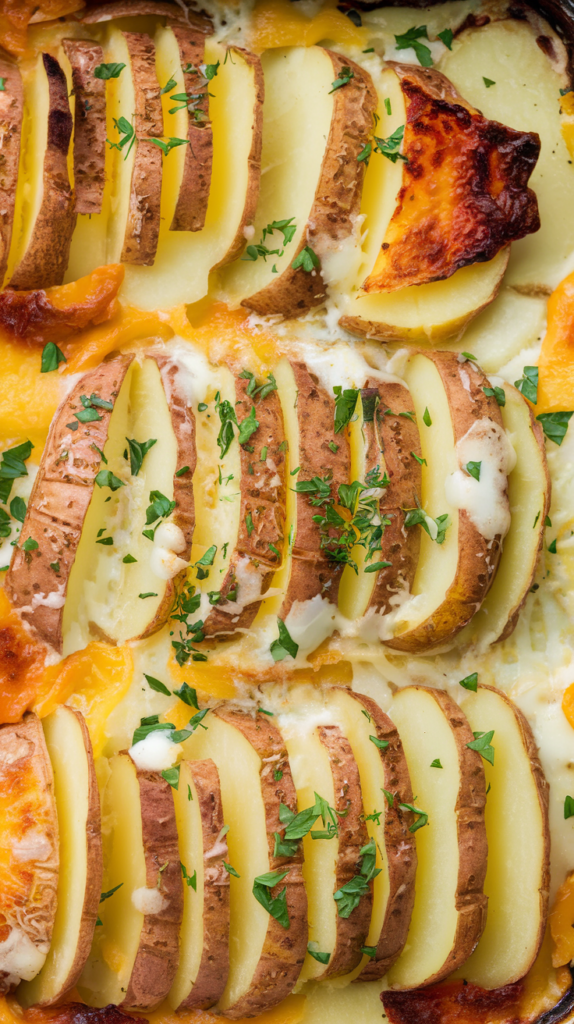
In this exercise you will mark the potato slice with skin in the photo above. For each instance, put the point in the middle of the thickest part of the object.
(44, 217)
(81, 866)
(11, 116)
(70, 463)
(134, 959)
(137, 8)
(89, 124)
(261, 519)
(518, 874)
(529, 493)
(453, 578)
(265, 958)
(382, 768)
(193, 196)
(449, 911)
(29, 879)
(204, 938)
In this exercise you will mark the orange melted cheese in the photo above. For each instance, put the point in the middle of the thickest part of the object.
(556, 363)
(15, 16)
(278, 23)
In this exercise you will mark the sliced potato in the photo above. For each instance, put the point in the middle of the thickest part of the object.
(11, 117)
(518, 874)
(84, 56)
(382, 768)
(449, 911)
(29, 858)
(387, 439)
(529, 491)
(204, 937)
(311, 176)
(136, 9)
(265, 957)
(466, 430)
(135, 953)
(44, 215)
(81, 866)
(120, 102)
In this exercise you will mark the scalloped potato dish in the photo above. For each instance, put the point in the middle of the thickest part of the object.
(286, 512)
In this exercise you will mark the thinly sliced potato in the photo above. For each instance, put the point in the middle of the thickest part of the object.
(518, 874)
(44, 215)
(81, 866)
(386, 438)
(137, 9)
(453, 577)
(29, 857)
(120, 97)
(84, 56)
(449, 911)
(529, 491)
(135, 953)
(382, 769)
(11, 118)
(193, 192)
(318, 194)
(204, 937)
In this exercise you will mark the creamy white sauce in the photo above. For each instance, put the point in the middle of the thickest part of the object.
(149, 901)
(167, 543)
(195, 375)
(485, 500)
(155, 752)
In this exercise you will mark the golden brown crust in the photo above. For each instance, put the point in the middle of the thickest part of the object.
(284, 949)
(157, 957)
(400, 845)
(214, 967)
(191, 206)
(352, 930)
(390, 431)
(28, 897)
(142, 228)
(58, 504)
(337, 199)
(477, 557)
(84, 56)
(143, 8)
(11, 114)
(45, 261)
(254, 159)
(263, 495)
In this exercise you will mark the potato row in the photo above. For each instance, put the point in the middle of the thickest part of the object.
(399, 511)
(179, 157)
(283, 846)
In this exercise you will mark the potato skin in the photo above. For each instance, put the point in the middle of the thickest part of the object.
(11, 114)
(284, 949)
(58, 504)
(139, 8)
(337, 198)
(89, 124)
(214, 967)
(191, 207)
(399, 845)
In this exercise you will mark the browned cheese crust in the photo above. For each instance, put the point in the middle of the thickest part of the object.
(214, 967)
(28, 898)
(11, 113)
(254, 160)
(477, 557)
(140, 8)
(400, 845)
(142, 228)
(351, 931)
(284, 948)
(193, 198)
(89, 124)
(157, 957)
(388, 431)
(263, 493)
(312, 572)
(59, 501)
(337, 199)
(45, 261)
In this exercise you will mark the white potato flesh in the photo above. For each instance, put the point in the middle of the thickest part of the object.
(189, 830)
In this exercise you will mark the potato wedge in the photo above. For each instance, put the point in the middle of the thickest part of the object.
(449, 911)
(204, 937)
(518, 874)
(258, 546)
(453, 576)
(84, 57)
(11, 116)
(529, 492)
(38, 578)
(315, 198)
(44, 215)
(387, 438)
(29, 857)
(135, 952)
(81, 866)
(382, 768)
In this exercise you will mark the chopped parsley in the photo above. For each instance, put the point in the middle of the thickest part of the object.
(18, 509)
(446, 37)
(470, 682)
(138, 452)
(380, 744)
(568, 807)
(345, 405)
(436, 763)
(107, 71)
(322, 958)
(52, 356)
(285, 227)
(276, 906)
(421, 817)
(167, 145)
(284, 645)
(13, 466)
(390, 146)
(157, 685)
(473, 469)
(554, 425)
(105, 478)
(528, 383)
(30, 545)
(427, 418)
(349, 895)
(496, 392)
(436, 531)
(343, 78)
(307, 259)
(481, 743)
(171, 776)
(159, 508)
(411, 40)
(488, 82)
(189, 879)
(127, 136)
